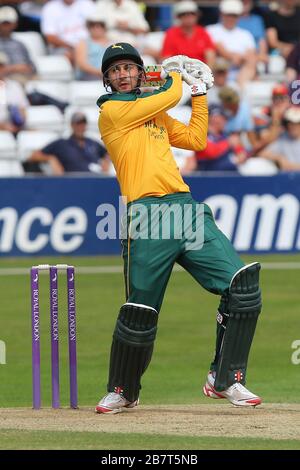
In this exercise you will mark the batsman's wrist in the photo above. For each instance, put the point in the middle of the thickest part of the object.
(198, 89)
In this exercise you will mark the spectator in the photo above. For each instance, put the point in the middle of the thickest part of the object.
(268, 120)
(19, 66)
(255, 25)
(293, 64)
(78, 153)
(125, 20)
(233, 43)
(13, 110)
(223, 152)
(64, 24)
(237, 111)
(187, 37)
(28, 13)
(89, 52)
(283, 27)
(285, 151)
(241, 122)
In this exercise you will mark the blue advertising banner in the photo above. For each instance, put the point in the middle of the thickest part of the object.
(56, 216)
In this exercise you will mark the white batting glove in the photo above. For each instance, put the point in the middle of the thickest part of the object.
(173, 64)
(200, 70)
(197, 86)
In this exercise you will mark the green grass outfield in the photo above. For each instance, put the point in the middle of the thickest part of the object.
(184, 348)
(26, 440)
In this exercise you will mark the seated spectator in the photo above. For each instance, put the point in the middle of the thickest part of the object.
(28, 13)
(89, 52)
(220, 70)
(283, 27)
(255, 25)
(187, 37)
(223, 152)
(237, 111)
(64, 24)
(78, 153)
(233, 43)
(240, 121)
(13, 110)
(268, 120)
(19, 66)
(293, 64)
(125, 20)
(280, 103)
(285, 151)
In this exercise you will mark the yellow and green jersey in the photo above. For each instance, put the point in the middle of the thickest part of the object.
(138, 135)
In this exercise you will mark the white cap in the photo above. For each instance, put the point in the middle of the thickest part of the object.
(8, 14)
(292, 115)
(231, 7)
(185, 6)
(96, 17)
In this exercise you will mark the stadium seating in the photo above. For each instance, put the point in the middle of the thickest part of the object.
(277, 65)
(85, 93)
(9, 162)
(29, 141)
(53, 67)
(258, 166)
(91, 112)
(56, 89)
(33, 42)
(275, 69)
(148, 59)
(181, 113)
(259, 93)
(46, 117)
(154, 40)
(57, 79)
(186, 94)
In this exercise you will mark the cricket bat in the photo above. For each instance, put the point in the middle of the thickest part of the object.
(153, 77)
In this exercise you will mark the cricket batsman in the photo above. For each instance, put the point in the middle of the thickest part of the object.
(138, 134)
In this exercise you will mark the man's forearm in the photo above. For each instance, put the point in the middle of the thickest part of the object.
(39, 156)
(55, 41)
(19, 68)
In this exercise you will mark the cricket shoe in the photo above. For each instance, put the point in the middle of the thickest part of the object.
(114, 403)
(237, 394)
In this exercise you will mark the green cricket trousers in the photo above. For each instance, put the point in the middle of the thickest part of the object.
(162, 231)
